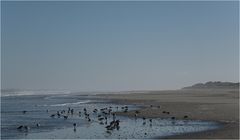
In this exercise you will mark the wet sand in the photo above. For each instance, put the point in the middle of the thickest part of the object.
(219, 105)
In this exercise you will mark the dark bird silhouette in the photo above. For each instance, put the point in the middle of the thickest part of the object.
(72, 110)
(20, 127)
(137, 112)
(100, 119)
(38, 124)
(135, 115)
(150, 120)
(65, 117)
(74, 125)
(26, 128)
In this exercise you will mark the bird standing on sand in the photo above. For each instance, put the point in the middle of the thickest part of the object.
(114, 116)
(135, 115)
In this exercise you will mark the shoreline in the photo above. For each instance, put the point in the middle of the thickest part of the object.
(217, 105)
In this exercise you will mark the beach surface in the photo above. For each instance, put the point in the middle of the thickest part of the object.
(218, 105)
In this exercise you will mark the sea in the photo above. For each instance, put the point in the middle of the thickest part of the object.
(35, 108)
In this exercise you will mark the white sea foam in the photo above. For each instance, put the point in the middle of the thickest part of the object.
(70, 104)
(32, 92)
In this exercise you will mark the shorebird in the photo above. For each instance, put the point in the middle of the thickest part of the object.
(24, 111)
(150, 120)
(89, 119)
(108, 132)
(114, 116)
(58, 114)
(173, 118)
(72, 110)
(185, 117)
(74, 125)
(26, 127)
(135, 115)
(38, 124)
(113, 125)
(20, 127)
(23, 127)
(100, 119)
(166, 112)
(65, 117)
(95, 111)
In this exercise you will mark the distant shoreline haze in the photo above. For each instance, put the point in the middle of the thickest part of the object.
(210, 84)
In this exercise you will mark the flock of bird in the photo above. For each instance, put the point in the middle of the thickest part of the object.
(104, 116)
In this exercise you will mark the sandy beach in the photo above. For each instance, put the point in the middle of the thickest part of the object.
(219, 105)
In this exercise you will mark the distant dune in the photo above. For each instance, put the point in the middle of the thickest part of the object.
(214, 85)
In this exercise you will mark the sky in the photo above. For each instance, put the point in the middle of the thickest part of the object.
(115, 46)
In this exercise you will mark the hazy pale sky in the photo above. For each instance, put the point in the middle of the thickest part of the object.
(91, 46)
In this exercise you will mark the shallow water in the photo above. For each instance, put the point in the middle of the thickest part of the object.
(37, 106)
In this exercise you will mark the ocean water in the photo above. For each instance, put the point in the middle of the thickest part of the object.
(39, 108)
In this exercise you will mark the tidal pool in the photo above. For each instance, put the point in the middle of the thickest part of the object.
(40, 108)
